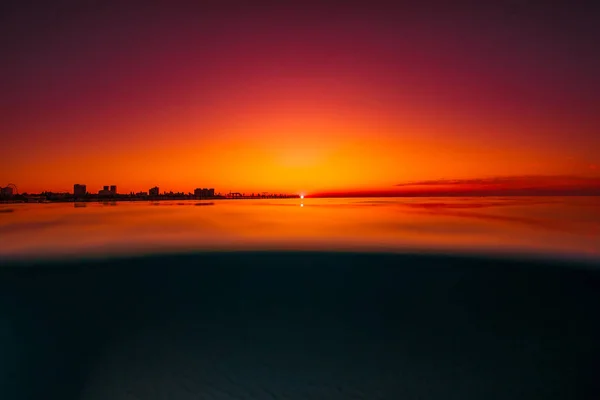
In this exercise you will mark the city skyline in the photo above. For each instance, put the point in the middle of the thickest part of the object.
(500, 186)
(80, 191)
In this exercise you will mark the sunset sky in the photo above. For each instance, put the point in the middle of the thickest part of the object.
(298, 98)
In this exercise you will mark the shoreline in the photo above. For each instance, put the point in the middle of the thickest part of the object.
(158, 199)
(153, 199)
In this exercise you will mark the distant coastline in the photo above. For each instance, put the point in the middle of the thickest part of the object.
(126, 199)
(464, 193)
(69, 198)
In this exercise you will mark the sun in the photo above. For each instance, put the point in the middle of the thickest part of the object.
(301, 196)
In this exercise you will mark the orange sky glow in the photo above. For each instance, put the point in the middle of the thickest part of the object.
(290, 101)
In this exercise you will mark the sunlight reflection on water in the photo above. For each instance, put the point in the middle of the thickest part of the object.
(549, 226)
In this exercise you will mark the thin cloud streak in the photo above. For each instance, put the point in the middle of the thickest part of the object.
(525, 185)
(504, 180)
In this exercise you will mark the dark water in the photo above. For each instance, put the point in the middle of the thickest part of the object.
(299, 326)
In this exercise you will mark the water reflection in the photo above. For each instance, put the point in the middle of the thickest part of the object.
(548, 226)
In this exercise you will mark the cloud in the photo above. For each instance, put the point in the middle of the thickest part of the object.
(525, 185)
(522, 185)
(508, 180)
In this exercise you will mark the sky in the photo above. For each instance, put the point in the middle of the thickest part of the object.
(299, 97)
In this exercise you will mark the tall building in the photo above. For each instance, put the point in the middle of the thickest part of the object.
(153, 191)
(204, 192)
(79, 190)
(108, 190)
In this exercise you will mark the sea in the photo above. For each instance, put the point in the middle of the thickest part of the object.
(364, 298)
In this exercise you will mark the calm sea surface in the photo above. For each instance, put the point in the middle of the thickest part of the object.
(544, 226)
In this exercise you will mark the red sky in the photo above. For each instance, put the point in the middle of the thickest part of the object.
(299, 99)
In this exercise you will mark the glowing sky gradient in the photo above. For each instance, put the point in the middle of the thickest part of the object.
(300, 99)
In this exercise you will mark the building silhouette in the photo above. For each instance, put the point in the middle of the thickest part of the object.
(108, 190)
(153, 191)
(79, 190)
(204, 192)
